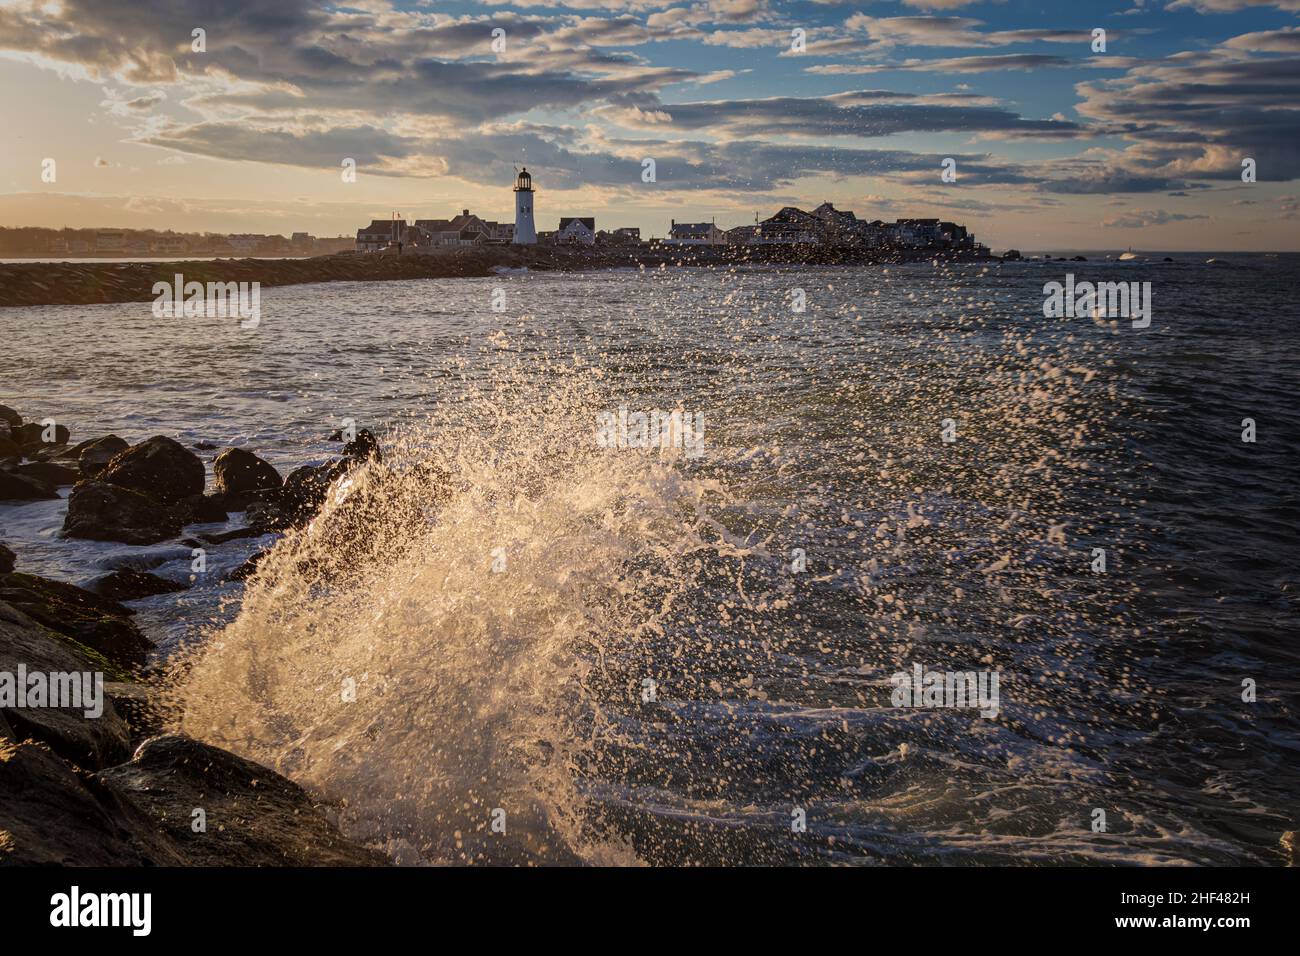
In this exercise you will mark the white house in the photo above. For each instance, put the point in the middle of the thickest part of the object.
(380, 234)
(695, 234)
(577, 230)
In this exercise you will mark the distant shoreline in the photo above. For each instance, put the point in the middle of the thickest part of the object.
(88, 283)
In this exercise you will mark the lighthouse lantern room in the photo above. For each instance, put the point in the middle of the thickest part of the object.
(525, 230)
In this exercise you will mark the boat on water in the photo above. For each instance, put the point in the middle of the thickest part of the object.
(1127, 255)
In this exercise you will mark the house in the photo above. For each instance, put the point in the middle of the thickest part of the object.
(472, 229)
(500, 233)
(741, 235)
(171, 246)
(624, 236)
(380, 234)
(436, 232)
(790, 226)
(696, 234)
(577, 230)
(110, 240)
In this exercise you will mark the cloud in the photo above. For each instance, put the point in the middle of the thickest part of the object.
(1142, 218)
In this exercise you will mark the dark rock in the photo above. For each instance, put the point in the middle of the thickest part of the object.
(7, 559)
(1168, 259)
(236, 470)
(1079, 259)
(248, 568)
(96, 627)
(266, 516)
(30, 435)
(202, 509)
(127, 585)
(222, 537)
(305, 489)
(45, 452)
(10, 417)
(9, 448)
(240, 500)
(255, 817)
(93, 456)
(91, 742)
(57, 815)
(364, 446)
(16, 487)
(138, 705)
(1011, 254)
(101, 511)
(204, 446)
(158, 467)
(49, 473)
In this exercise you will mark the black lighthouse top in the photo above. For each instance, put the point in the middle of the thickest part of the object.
(524, 181)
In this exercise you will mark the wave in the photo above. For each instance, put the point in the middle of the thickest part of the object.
(433, 652)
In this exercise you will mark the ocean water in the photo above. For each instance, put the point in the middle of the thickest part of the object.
(512, 644)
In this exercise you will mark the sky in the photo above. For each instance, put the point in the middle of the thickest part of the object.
(1057, 140)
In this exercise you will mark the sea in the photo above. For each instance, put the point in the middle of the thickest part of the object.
(539, 633)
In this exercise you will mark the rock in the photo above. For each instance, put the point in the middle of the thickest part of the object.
(125, 585)
(222, 537)
(364, 446)
(30, 435)
(88, 741)
(100, 511)
(158, 467)
(16, 487)
(49, 473)
(46, 452)
(57, 815)
(95, 627)
(138, 706)
(9, 448)
(255, 817)
(10, 417)
(264, 516)
(7, 559)
(95, 455)
(236, 470)
(305, 488)
(204, 446)
(240, 500)
(202, 509)
(248, 568)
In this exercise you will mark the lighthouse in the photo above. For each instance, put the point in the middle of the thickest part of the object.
(525, 231)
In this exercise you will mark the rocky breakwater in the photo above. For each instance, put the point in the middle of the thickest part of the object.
(86, 283)
(86, 776)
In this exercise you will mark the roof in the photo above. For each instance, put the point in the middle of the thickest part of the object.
(588, 221)
(692, 228)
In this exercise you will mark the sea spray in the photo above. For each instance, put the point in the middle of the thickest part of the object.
(426, 651)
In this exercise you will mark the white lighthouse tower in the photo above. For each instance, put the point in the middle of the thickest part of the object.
(525, 231)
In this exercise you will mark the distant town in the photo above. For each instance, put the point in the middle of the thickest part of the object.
(149, 243)
(790, 226)
(824, 226)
